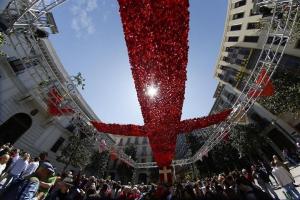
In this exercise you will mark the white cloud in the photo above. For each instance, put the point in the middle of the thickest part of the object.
(82, 21)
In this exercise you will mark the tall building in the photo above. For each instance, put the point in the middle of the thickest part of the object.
(29, 68)
(243, 40)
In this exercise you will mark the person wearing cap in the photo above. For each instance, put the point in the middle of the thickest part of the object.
(46, 184)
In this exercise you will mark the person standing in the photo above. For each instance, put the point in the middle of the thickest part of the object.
(32, 166)
(27, 188)
(263, 181)
(16, 169)
(285, 180)
(3, 161)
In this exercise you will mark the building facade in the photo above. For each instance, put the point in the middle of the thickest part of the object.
(29, 68)
(243, 39)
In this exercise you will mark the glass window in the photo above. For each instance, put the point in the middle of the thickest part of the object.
(233, 39)
(253, 25)
(297, 46)
(235, 27)
(136, 141)
(128, 141)
(238, 16)
(240, 3)
(145, 141)
(57, 144)
(121, 142)
(252, 39)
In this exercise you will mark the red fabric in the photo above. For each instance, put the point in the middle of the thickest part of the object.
(268, 88)
(126, 130)
(156, 35)
(189, 125)
(54, 99)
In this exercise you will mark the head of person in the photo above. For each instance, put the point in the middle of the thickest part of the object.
(15, 152)
(4, 159)
(273, 164)
(26, 156)
(45, 171)
(43, 156)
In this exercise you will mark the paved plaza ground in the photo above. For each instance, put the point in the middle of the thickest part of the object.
(296, 173)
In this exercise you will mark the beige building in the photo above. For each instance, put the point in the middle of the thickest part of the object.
(243, 39)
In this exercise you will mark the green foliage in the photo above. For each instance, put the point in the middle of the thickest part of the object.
(98, 164)
(2, 41)
(247, 138)
(287, 93)
(77, 152)
(78, 80)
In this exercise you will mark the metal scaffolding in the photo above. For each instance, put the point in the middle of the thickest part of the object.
(25, 17)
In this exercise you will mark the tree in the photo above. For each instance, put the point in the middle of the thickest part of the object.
(98, 164)
(125, 171)
(287, 93)
(2, 41)
(77, 152)
(78, 80)
(247, 139)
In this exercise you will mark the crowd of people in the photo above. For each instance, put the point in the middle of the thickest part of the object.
(23, 177)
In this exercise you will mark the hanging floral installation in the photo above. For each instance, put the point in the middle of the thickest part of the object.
(55, 104)
(266, 85)
(156, 35)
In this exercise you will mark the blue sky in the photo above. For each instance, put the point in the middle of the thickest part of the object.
(91, 41)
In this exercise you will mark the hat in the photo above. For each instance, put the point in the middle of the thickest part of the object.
(47, 166)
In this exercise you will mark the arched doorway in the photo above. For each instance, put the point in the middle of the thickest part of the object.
(13, 128)
(142, 178)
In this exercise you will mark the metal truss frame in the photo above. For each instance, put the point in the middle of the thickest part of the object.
(25, 16)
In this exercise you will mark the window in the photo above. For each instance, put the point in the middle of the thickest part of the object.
(253, 13)
(235, 27)
(145, 141)
(276, 40)
(253, 25)
(252, 39)
(227, 59)
(297, 46)
(136, 141)
(144, 151)
(238, 61)
(121, 142)
(16, 65)
(240, 3)
(244, 51)
(128, 141)
(229, 49)
(233, 39)
(238, 16)
(57, 144)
